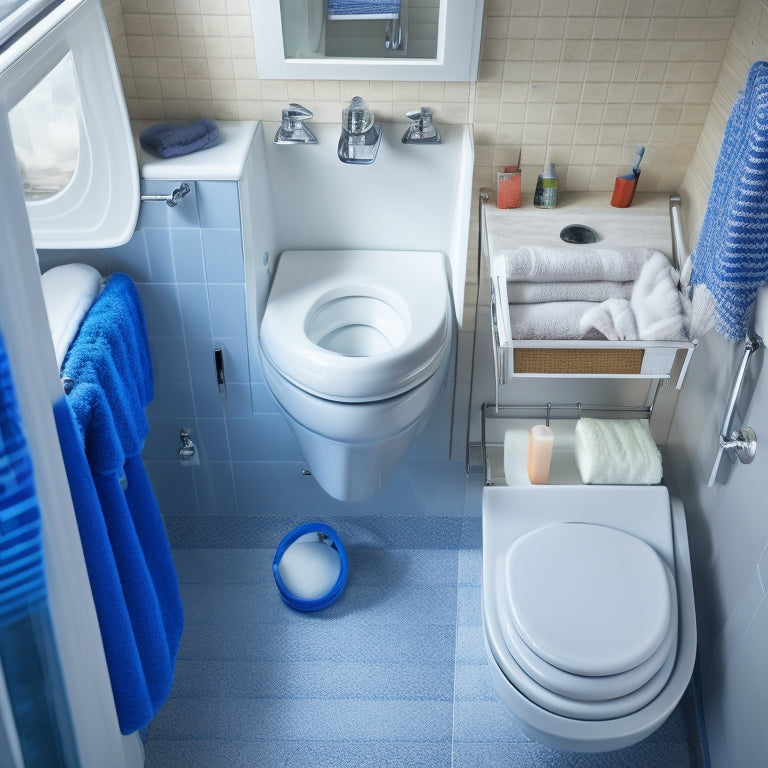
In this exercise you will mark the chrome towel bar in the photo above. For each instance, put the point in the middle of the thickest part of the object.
(741, 443)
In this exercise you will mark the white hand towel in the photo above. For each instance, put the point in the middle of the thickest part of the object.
(540, 264)
(69, 291)
(551, 320)
(656, 311)
(658, 306)
(523, 292)
(613, 318)
(616, 452)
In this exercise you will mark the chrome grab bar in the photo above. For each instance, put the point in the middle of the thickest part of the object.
(741, 443)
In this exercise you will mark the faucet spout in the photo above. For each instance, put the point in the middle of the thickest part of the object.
(360, 133)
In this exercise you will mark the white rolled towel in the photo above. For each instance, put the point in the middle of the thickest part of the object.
(524, 292)
(547, 264)
(551, 320)
(616, 452)
(69, 291)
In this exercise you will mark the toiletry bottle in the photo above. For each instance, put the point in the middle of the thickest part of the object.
(545, 195)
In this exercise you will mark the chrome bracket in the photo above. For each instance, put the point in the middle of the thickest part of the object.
(742, 444)
(171, 200)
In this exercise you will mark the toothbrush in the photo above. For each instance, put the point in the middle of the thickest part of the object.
(639, 152)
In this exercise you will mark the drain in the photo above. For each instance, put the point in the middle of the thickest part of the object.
(578, 234)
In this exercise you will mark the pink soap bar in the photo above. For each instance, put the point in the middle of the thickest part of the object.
(540, 444)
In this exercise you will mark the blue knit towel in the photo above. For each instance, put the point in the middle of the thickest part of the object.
(363, 9)
(133, 579)
(731, 257)
(22, 577)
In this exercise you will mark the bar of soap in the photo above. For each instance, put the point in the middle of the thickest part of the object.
(540, 442)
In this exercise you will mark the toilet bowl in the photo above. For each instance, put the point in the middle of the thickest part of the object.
(356, 348)
(588, 610)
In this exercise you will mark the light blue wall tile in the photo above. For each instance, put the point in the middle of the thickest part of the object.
(161, 309)
(268, 488)
(130, 258)
(219, 204)
(227, 310)
(223, 255)
(215, 487)
(160, 255)
(237, 400)
(262, 399)
(187, 247)
(173, 399)
(173, 486)
(212, 440)
(264, 437)
(195, 312)
(169, 359)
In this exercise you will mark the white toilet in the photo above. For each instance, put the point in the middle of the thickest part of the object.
(356, 348)
(588, 610)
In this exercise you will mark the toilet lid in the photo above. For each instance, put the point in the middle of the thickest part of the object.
(357, 326)
(588, 599)
(583, 687)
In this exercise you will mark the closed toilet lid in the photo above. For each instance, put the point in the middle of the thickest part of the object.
(588, 599)
(358, 326)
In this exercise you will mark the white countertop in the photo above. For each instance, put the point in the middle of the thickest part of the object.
(645, 223)
(223, 161)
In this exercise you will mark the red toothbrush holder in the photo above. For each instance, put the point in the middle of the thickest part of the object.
(624, 190)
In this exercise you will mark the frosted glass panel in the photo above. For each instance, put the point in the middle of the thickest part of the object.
(46, 132)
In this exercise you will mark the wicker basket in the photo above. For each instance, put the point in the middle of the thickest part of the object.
(578, 361)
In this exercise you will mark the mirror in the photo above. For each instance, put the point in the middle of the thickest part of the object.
(367, 39)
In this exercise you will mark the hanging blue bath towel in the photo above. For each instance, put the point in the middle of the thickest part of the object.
(133, 578)
(731, 257)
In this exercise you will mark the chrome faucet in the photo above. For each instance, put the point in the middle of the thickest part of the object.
(360, 133)
(421, 130)
(292, 129)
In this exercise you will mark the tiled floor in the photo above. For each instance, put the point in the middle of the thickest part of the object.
(394, 674)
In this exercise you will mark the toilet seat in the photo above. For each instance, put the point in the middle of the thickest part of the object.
(617, 660)
(355, 326)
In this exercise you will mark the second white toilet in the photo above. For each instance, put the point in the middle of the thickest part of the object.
(356, 347)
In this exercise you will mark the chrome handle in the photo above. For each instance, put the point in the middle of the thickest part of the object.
(295, 115)
(742, 444)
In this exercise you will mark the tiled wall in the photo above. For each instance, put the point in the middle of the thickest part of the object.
(583, 80)
(187, 263)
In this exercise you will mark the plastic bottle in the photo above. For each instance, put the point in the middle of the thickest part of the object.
(545, 195)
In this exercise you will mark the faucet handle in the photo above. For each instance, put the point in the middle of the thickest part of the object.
(295, 115)
(421, 128)
(292, 129)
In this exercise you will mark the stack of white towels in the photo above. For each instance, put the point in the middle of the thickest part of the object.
(592, 293)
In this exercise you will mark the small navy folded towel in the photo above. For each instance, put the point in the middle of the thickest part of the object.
(133, 579)
(172, 140)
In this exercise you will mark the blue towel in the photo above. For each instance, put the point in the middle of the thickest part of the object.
(169, 140)
(124, 540)
(366, 9)
(22, 575)
(731, 256)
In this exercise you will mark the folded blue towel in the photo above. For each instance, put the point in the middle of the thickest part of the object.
(384, 9)
(124, 539)
(169, 140)
(731, 256)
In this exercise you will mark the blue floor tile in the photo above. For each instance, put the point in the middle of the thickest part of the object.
(393, 674)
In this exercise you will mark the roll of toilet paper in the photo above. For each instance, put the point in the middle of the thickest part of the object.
(616, 452)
